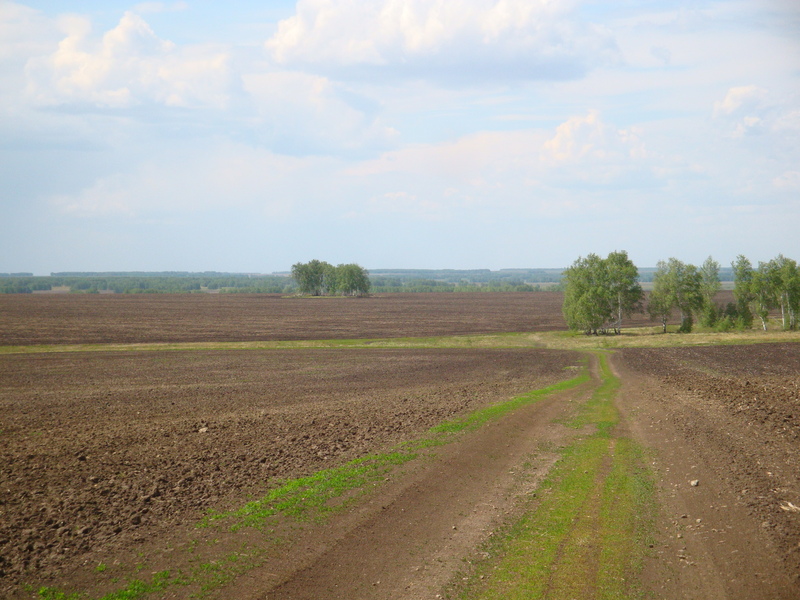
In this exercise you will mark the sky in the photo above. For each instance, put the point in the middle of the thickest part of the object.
(463, 134)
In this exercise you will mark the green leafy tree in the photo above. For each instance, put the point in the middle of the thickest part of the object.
(317, 278)
(742, 290)
(785, 276)
(352, 280)
(623, 282)
(709, 287)
(763, 292)
(661, 300)
(311, 277)
(599, 292)
(676, 285)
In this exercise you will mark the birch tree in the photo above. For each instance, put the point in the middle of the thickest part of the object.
(599, 292)
(676, 285)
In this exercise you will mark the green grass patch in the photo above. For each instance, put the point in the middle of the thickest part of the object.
(588, 529)
(640, 337)
(490, 413)
(133, 591)
(311, 496)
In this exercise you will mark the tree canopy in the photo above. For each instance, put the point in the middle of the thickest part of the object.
(318, 278)
(599, 292)
(676, 285)
(774, 284)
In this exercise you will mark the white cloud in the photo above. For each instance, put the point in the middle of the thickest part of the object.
(456, 40)
(313, 112)
(751, 110)
(128, 66)
(741, 99)
(531, 171)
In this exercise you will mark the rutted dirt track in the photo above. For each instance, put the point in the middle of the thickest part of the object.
(103, 455)
(727, 418)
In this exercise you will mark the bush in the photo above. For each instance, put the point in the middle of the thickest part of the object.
(710, 315)
(686, 324)
(726, 323)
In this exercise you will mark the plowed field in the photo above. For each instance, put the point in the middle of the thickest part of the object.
(100, 451)
(108, 460)
(83, 318)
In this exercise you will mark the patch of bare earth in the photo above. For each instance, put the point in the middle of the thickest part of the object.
(724, 423)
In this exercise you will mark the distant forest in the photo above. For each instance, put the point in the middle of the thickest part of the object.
(382, 280)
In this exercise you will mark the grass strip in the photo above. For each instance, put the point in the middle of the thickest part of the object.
(135, 590)
(586, 533)
(299, 498)
(482, 416)
(643, 337)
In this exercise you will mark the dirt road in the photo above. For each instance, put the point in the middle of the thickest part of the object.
(724, 485)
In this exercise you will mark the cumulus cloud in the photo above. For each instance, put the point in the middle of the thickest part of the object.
(751, 110)
(129, 65)
(451, 40)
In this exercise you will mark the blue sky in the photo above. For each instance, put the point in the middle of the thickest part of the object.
(248, 136)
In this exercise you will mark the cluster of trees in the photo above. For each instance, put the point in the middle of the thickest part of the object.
(681, 286)
(319, 278)
(599, 292)
(774, 284)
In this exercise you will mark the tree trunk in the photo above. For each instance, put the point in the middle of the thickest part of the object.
(783, 311)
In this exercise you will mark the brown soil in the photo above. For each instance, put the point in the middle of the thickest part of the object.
(101, 451)
(86, 318)
(727, 418)
(104, 455)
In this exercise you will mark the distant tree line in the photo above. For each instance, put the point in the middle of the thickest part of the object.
(599, 292)
(135, 284)
(319, 278)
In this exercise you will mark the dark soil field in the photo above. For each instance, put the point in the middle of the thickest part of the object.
(105, 454)
(125, 318)
(100, 451)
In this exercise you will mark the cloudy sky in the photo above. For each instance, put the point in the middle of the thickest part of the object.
(247, 136)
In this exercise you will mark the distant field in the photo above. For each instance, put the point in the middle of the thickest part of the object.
(91, 318)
